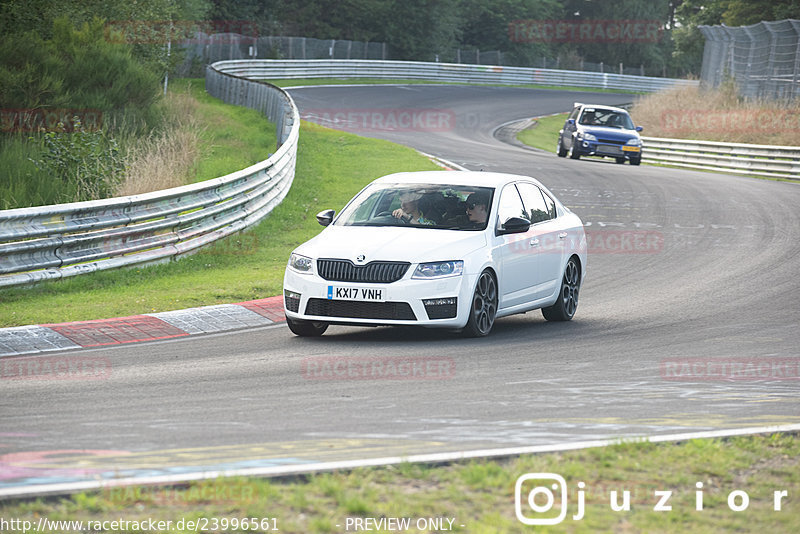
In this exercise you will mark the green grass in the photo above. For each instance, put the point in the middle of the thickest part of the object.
(378, 81)
(233, 137)
(331, 167)
(480, 494)
(544, 133)
(21, 183)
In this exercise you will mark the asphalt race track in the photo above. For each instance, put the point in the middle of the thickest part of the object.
(686, 269)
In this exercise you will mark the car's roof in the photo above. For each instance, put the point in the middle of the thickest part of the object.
(603, 106)
(473, 178)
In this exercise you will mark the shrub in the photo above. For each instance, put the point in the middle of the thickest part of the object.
(88, 161)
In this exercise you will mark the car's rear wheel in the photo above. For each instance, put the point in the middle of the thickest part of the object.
(484, 306)
(567, 302)
(636, 161)
(306, 328)
(574, 154)
(560, 150)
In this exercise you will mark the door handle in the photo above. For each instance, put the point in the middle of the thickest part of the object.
(534, 242)
(562, 235)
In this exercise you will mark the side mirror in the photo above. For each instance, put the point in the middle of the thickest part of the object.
(325, 217)
(515, 225)
(639, 128)
(571, 122)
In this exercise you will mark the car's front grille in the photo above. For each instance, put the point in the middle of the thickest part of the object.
(610, 141)
(374, 272)
(609, 149)
(353, 309)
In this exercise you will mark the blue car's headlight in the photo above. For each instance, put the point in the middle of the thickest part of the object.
(634, 141)
(589, 137)
(438, 269)
(301, 264)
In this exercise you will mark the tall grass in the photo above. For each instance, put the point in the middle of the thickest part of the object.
(166, 158)
(718, 115)
(21, 183)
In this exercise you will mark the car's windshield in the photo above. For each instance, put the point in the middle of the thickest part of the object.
(606, 117)
(437, 206)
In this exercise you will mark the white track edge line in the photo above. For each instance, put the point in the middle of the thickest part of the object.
(284, 470)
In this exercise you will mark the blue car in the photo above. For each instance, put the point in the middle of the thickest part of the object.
(595, 130)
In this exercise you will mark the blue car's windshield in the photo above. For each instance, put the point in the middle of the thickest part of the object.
(442, 206)
(606, 117)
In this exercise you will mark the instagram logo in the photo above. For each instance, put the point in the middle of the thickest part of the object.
(540, 497)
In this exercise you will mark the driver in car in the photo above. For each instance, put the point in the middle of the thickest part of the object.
(409, 209)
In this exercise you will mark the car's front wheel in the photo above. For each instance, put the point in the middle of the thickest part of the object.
(306, 328)
(562, 152)
(573, 153)
(620, 160)
(567, 303)
(636, 161)
(484, 306)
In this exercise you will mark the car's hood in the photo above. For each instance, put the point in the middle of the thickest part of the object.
(610, 133)
(389, 243)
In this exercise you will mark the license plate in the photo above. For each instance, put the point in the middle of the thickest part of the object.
(630, 148)
(356, 293)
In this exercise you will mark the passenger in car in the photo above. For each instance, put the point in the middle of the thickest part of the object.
(478, 207)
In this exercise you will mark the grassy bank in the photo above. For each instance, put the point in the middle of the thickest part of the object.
(718, 115)
(331, 167)
(480, 494)
(544, 133)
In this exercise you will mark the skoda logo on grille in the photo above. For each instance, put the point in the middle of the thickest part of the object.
(361, 258)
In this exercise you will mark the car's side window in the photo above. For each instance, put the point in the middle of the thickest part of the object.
(574, 114)
(551, 205)
(510, 205)
(535, 207)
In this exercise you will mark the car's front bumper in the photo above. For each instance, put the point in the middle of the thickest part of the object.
(594, 148)
(401, 303)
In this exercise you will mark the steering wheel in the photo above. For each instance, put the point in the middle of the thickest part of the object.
(389, 214)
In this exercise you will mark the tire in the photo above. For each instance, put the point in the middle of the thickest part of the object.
(620, 160)
(567, 303)
(574, 154)
(636, 161)
(483, 309)
(560, 150)
(306, 328)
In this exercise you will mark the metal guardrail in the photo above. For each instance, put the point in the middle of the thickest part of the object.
(275, 69)
(737, 158)
(51, 242)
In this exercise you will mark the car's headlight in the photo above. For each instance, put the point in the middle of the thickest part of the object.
(589, 137)
(634, 141)
(438, 269)
(300, 263)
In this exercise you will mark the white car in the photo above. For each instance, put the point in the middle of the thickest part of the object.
(438, 249)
